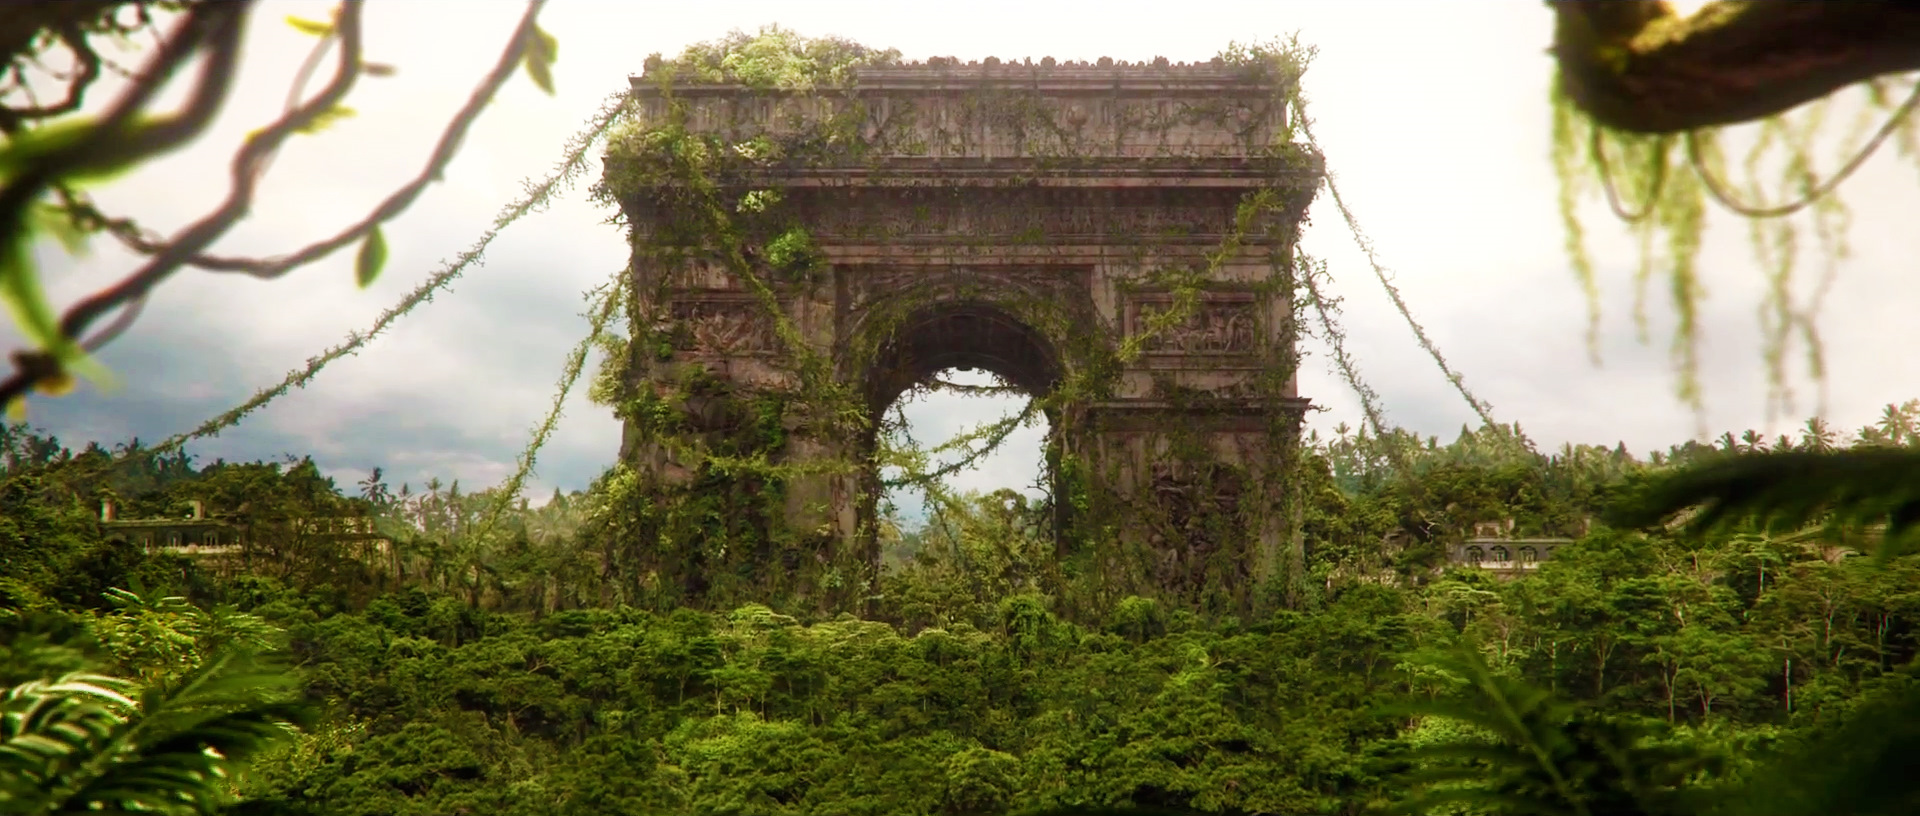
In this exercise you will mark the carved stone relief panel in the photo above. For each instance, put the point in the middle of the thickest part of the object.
(729, 326)
(1220, 324)
(1196, 512)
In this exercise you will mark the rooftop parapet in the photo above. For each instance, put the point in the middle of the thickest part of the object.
(943, 108)
(1101, 75)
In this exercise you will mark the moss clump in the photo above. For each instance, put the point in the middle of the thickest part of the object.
(773, 58)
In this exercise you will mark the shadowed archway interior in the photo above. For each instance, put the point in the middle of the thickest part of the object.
(964, 335)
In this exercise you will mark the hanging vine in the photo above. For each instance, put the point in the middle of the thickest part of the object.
(1459, 383)
(603, 302)
(1324, 307)
(1678, 176)
(575, 158)
(977, 444)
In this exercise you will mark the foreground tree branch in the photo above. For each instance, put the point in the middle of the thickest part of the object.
(527, 46)
(31, 33)
(1633, 65)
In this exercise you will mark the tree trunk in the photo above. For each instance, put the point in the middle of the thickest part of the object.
(1632, 65)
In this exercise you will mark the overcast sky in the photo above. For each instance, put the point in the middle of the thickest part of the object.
(1433, 116)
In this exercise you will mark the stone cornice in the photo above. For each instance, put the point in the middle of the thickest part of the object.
(1217, 407)
(1222, 415)
(1184, 172)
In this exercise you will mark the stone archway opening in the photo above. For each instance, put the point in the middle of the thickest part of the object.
(962, 335)
(1014, 479)
(945, 370)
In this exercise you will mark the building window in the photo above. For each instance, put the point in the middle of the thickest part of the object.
(1500, 555)
(1475, 555)
(1528, 555)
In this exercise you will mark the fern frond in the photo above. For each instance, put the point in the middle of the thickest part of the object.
(1783, 490)
(83, 743)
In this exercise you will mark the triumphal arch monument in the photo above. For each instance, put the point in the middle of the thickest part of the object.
(1115, 239)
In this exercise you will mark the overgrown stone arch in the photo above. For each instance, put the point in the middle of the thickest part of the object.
(1115, 239)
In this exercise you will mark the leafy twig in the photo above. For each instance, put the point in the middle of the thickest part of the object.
(1366, 246)
(186, 248)
(45, 158)
(535, 196)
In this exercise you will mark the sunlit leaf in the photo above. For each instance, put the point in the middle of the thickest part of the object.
(52, 219)
(23, 150)
(541, 49)
(20, 288)
(326, 118)
(373, 255)
(32, 313)
(58, 385)
(312, 27)
(548, 45)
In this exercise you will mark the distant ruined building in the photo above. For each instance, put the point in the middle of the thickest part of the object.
(228, 544)
(1493, 547)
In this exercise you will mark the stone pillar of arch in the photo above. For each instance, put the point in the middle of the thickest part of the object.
(959, 240)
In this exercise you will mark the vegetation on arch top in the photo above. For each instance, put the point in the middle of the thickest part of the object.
(1234, 106)
(779, 59)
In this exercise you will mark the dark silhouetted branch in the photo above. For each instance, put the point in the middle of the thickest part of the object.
(1632, 65)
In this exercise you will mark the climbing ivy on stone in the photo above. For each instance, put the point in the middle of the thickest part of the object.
(701, 198)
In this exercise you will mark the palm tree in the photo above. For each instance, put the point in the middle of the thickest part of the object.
(1818, 436)
(1871, 435)
(374, 490)
(1896, 421)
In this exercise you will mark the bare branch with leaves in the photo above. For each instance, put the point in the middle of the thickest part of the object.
(50, 160)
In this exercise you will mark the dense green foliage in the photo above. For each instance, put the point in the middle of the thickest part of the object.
(486, 675)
